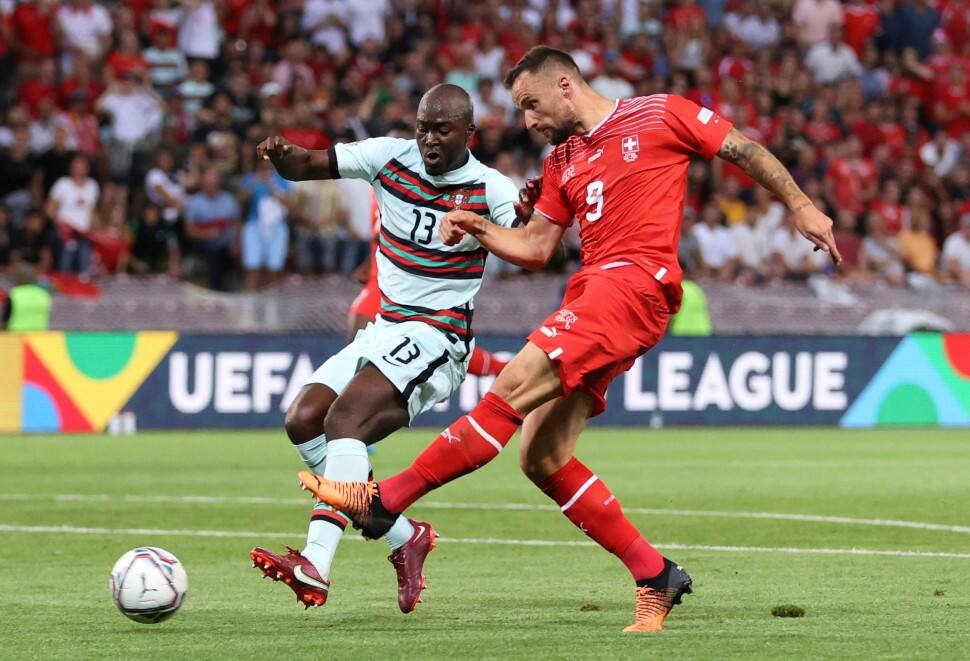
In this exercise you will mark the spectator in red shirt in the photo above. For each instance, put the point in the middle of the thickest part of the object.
(890, 208)
(952, 102)
(81, 82)
(32, 27)
(861, 22)
(42, 87)
(683, 13)
(81, 125)
(851, 182)
(820, 129)
(955, 19)
(891, 133)
(127, 59)
(302, 133)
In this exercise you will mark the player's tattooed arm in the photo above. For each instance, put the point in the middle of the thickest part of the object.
(763, 167)
(295, 163)
(768, 171)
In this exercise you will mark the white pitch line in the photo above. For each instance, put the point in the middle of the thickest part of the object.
(246, 534)
(527, 507)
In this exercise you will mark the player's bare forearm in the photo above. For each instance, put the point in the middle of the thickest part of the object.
(530, 246)
(295, 163)
(763, 167)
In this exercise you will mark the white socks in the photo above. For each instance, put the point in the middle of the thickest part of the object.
(314, 453)
(342, 460)
(400, 533)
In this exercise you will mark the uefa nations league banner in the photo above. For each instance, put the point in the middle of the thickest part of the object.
(77, 382)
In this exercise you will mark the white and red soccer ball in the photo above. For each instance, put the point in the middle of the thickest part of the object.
(148, 584)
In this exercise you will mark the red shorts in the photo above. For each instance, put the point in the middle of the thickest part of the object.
(368, 302)
(610, 315)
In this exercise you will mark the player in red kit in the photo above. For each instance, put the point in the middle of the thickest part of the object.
(620, 169)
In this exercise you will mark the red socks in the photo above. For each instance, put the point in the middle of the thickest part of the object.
(465, 446)
(483, 363)
(586, 501)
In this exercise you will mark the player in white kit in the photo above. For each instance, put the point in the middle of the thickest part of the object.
(416, 352)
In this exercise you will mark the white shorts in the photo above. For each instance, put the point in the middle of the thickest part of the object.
(422, 362)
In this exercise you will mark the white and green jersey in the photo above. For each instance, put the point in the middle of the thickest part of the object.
(420, 278)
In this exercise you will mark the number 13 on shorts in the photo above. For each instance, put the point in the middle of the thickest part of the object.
(594, 196)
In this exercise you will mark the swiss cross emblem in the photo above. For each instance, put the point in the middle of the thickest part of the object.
(630, 146)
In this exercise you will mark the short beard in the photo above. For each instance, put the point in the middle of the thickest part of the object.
(560, 134)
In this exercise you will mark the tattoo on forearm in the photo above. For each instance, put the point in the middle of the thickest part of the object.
(763, 167)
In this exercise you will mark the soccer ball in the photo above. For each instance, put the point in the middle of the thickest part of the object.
(148, 584)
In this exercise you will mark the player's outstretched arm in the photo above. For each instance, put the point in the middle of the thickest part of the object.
(764, 168)
(295, 163)
(529, 246)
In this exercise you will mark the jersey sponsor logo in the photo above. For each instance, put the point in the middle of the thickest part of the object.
(567, 318)
(569, 173)
(599, 152)
(630, 146)
(704, 116)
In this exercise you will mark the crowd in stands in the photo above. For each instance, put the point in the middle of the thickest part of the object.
(128, 128)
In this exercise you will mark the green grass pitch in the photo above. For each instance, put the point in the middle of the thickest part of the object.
(516, 580)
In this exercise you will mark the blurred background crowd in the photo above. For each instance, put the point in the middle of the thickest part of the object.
(128, 132)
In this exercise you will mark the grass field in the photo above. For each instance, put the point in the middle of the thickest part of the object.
(511, 577)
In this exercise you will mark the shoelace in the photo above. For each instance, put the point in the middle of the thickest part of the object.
(356, 500)
(651, 603)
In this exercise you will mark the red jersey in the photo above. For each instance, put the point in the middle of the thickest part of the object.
(33, 27)
(861, 22)
(893, 216)
(850, 178)
(626, 180)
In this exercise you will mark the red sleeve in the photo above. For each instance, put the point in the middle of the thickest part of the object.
(552, 202)
(699, 129)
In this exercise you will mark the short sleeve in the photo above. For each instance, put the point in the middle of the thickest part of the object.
(501, 196)
(57, 190)
(699, 129)
(950, 249)
(232, 205)
(552, 202)
(364, 159)
(192, 210)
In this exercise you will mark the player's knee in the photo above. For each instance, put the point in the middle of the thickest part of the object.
(303, 422)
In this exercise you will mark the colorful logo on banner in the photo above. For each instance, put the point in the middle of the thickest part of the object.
(74, 381)
(925, 381)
